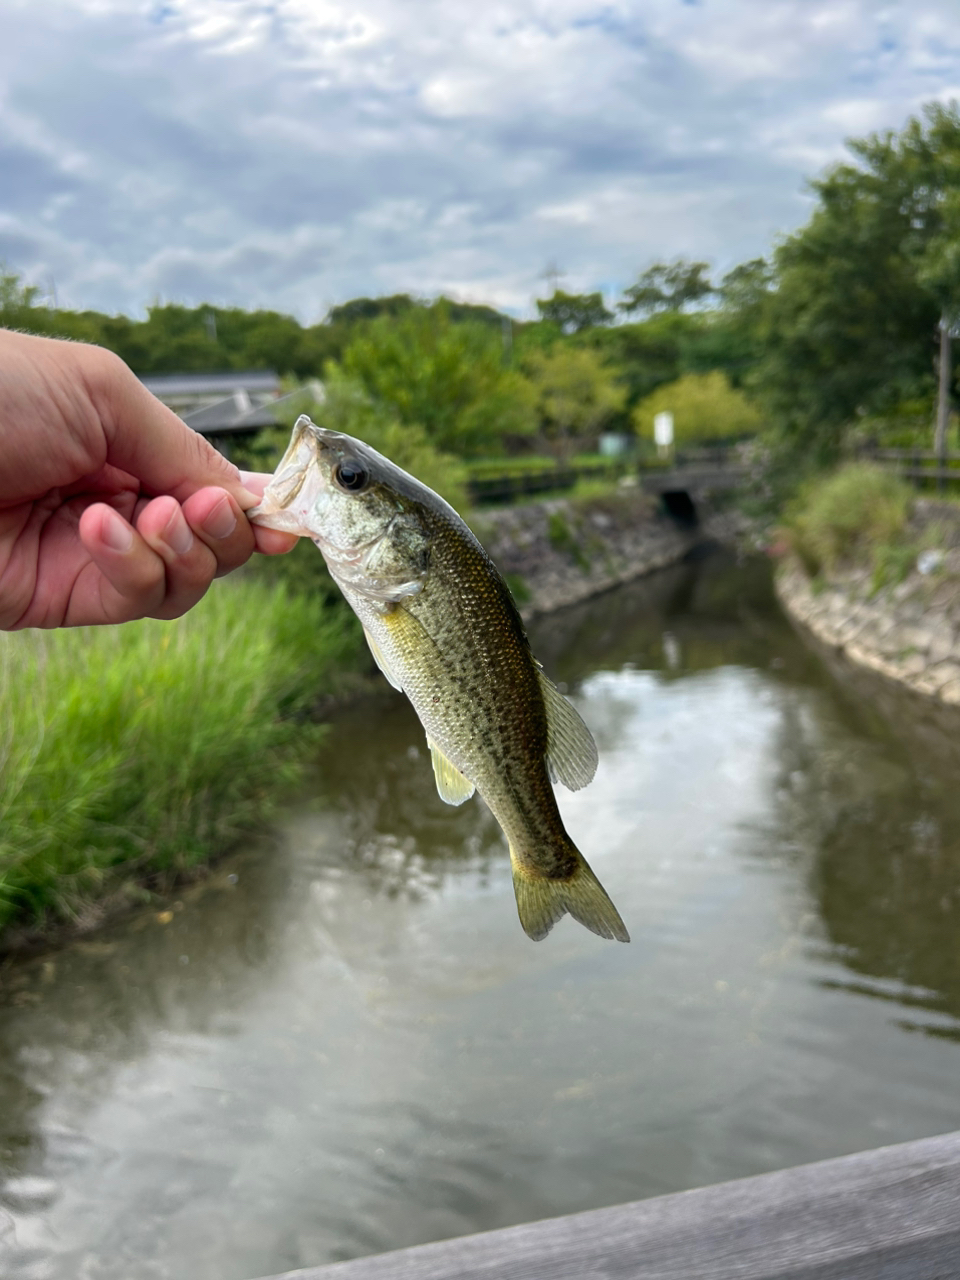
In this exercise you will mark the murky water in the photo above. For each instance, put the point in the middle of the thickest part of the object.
(343, 1043)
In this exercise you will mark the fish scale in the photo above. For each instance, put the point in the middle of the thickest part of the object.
(443, 627)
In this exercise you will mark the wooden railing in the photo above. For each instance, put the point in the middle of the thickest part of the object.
(891, 1213)
(922, 466)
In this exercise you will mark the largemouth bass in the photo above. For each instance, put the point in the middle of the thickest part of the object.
(442, 627)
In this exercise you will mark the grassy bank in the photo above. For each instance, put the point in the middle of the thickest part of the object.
(861, 516)
(848, 515)
(130, 754)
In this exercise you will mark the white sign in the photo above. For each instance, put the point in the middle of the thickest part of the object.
(663, 429)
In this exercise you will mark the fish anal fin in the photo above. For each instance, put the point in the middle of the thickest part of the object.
(571, 750)
(541, 901)
(452, 786)
(381, 661)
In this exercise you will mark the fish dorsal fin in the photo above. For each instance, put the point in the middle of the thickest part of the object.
(381, 661)
(571, 750)
(453, 787)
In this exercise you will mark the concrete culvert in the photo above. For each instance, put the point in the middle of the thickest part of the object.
(678, 504)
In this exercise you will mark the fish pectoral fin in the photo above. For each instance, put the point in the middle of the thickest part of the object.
(542, 901)
(571, 750)
(452, 786)
(381, 661)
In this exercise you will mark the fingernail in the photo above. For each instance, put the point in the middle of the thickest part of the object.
(177, 535)
(247, 498)
(116, 533)
(221, 521)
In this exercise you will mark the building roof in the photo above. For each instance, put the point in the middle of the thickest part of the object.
(257, 381)
(231, 416)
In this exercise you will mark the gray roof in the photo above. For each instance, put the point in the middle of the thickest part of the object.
(227, 416)
(260, 381)
(236, 414)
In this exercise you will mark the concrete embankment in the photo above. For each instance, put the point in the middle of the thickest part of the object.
(564, 550)
(909, 632)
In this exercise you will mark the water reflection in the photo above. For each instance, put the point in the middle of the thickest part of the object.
(886, 875)
(343, 1042)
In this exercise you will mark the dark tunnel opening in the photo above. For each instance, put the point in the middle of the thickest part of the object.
(678, 504)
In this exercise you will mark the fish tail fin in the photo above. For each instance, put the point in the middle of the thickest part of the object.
(542, 900)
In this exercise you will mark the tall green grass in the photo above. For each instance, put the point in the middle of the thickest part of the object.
(847, 516)
(135, 752)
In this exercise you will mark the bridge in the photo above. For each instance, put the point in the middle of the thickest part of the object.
(690, 472)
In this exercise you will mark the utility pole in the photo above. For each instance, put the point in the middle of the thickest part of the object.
(943, 401)
(553, 274)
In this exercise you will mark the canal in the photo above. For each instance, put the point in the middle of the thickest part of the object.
(342, 1042)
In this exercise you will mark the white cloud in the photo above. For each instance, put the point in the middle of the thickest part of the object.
(856, 115)
(294, 153)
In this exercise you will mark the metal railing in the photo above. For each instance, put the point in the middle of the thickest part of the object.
(507, 486)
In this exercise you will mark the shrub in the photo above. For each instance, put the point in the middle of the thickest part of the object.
(563, 539)
(704, 407)
(847, 516)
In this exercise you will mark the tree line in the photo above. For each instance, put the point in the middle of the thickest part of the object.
(841, 332)
(474, 379)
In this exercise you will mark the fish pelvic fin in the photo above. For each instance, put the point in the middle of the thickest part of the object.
(542, 900)
(452, 786)
(381, 660)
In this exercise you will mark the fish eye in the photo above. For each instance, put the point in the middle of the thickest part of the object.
(350, 475)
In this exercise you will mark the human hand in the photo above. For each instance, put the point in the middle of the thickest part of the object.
(111, 508)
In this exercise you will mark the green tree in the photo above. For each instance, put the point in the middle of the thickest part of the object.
(939, 272)
(668, 286)
(852, 322)
(20, 305)
(358, 309)
(745, 289)
(577, 394)
(704, 406)
(348, 408)
(668, 344)
(448, 378)
(730, 336)
(644, 354)
(574, 312)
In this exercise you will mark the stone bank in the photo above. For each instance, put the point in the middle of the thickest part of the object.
(909, 632)
(563, 550)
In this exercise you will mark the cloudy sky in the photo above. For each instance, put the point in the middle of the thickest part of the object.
(296, 153)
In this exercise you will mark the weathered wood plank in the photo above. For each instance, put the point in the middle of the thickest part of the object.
(891, 1214)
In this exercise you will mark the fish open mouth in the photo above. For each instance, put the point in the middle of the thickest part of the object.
(288, 480)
